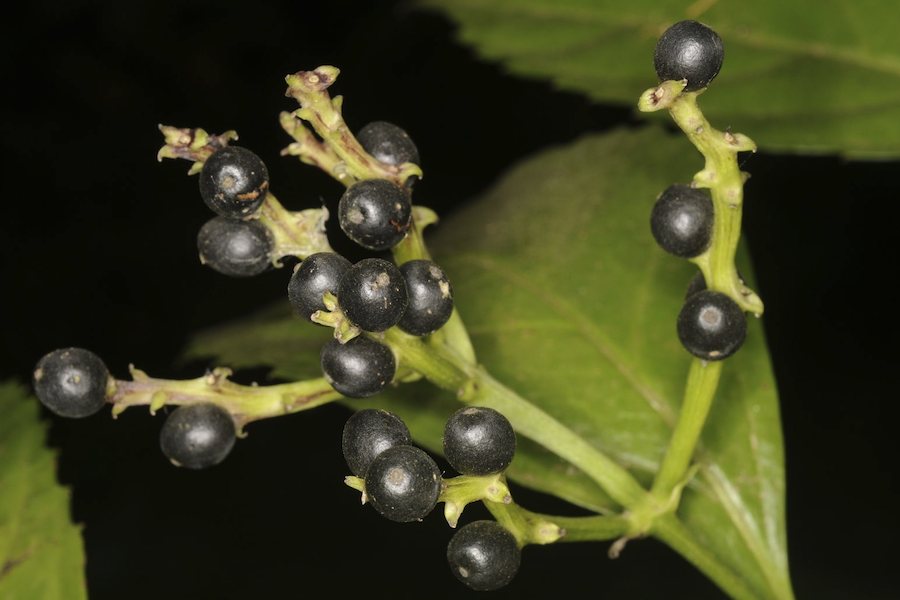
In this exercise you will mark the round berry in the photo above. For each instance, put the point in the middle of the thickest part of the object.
(403, 483)
(430, 297)
(388, 143)
(689, 50)
(359, 368)
(479, 441)
(234, 182)
(236, 248)
(197, 436)
(317, 274)
(375, 213)
(682, 221)
(372, 294)
(484, 555)
(71, 382)
(368, 433)
(711, 325)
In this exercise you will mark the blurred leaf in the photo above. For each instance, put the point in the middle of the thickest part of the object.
(808, 76)
(570, 302)
(41, 552)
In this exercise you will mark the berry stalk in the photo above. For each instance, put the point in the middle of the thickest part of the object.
(323, 113)
(725, 180)
(245, 403)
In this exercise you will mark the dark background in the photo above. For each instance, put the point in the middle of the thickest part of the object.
(98, 250)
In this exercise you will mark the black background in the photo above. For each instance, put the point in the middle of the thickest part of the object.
(98, 250)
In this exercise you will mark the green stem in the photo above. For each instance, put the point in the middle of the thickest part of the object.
(674, 534)
(473, 385)
(246, 403)
(324, 113)
(296, 233)
(703, 378)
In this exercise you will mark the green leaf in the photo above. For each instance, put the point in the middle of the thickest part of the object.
(41, 552)
(809, 76)
(570, 303)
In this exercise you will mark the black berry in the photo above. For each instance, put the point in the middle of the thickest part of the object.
(375, 213)
(234, 182)
(236, 248)
(682, 221)
(484, 555)
(403, 483)
(317, 274)
(71, 382)
(197, 436)
(359, 368)
(479, 441)
(689, 50)
(388, 143)
(372, 294)
(430, 297)
(711, 325)
(368, 433)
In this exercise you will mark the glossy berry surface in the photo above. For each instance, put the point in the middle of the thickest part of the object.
(711, 325)
(235, 248)
(403, 483)
(479, 441)
(682, 221)
(689, 50)
(388, 143)
(71, 382)
(234, 182)
(368, 433)
(430, 297)
(317, 274)
(372, 294)
(484, 555)
(375, 213)
(360, 368)
(197, 436)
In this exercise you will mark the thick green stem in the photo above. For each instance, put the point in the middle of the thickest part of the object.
(703, 378)
(473, 385)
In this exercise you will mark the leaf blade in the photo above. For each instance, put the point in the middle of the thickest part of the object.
(41, 551)
(810, 77)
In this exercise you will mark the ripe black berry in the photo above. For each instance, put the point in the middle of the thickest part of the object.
(236, 248)
(479, 441)
(197, 436)
(388, 143)
(359, 368)
(689, 50)
(234, 182)
(682, 221)
(317, 274)
(71, 382)
(403, 483)
(430, 297)
(368, 433)
(372, 294)
(484, 555)
(711, 325)
(375, 213)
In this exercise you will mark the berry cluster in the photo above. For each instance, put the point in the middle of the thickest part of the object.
(404, 484)
(365, 299)
(711, 324)
(234, 183)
